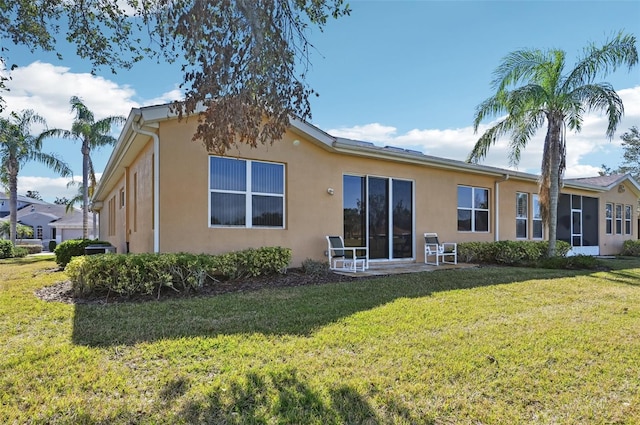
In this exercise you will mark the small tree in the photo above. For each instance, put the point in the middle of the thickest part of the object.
(18, 146)
(33, 194)
(61, 200)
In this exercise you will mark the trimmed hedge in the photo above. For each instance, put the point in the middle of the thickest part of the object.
(513, 253)
(146, 274)
(631, 248)
(575, 262)
(31, 248)
(74, 248)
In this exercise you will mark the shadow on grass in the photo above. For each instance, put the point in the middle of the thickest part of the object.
(285, 311)
(281, 397)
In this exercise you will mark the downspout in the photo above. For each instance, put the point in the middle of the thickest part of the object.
(497, 208)
(156, 186)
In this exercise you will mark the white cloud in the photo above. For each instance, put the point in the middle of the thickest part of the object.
(457, 143)
(47, 88)
(49, 188)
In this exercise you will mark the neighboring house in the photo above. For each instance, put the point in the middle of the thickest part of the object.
(162, 192)
(52, 222)
(22, 202)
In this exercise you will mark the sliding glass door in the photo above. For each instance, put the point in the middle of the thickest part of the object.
(378, 213)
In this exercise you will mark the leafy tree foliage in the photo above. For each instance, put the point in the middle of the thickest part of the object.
(554, 96)
(22, 231)
(17, 147)
(631, 163)
(61, 200)
(33, 194)
(243, 61)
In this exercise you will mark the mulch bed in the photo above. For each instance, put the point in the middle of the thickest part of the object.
(62, 291)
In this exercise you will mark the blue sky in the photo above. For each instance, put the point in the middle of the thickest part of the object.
(401, 73)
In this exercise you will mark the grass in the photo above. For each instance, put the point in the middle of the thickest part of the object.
(477, 346)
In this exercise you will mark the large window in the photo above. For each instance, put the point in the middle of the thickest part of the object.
(473, 209)
(618, 219)
(608, 211)
(246, 193)
(522, 201)
(627, 219)
(536, 210)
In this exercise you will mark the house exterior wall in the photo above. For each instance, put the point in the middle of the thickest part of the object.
(139, 204)
(112, 222)
(611, 244)
(310, 211)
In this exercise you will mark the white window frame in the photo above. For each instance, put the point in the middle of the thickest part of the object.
(248, 194)
(536, 215)
(618, 221)
(608, 218)
(473, 208)
(628, 215)
(521, 217)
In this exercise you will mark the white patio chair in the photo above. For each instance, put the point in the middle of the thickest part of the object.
(439, 251)
(348, 258)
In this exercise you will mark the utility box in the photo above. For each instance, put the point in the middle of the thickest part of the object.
(99, 249)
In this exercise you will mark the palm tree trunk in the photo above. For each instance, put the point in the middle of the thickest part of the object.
(85, 189)
(13, 198)
(553, 135)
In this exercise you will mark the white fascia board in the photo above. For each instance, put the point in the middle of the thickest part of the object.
(305, 129)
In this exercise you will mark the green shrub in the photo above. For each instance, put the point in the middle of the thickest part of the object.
(146, 274)
(631, 248)
(73, 248)
(6, 249)
(52, 246)
(520, 253)
(20, 252)
(314, 267)
(31, 248)
(575, 262)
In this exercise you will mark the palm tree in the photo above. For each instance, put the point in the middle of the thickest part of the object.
(559, 99)
(93, 134)
(18, 146)
(22, 231)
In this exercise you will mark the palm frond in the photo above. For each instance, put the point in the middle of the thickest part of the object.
(53, 162)
(489, 139)
(600, 97)
(520, 65)
(525, 127)
(619, 51)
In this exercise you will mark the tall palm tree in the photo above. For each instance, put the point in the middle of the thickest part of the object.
(93, 135)
(550, 95)
(18, 146)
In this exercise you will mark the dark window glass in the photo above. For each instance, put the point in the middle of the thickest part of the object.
(482, 221)
(481, 198)
(354, 201)
(464, 220)
(267, 211)
(537, 229)
(266, 178)
(228, 209)
(521, 228)
(228, 174)
(577, 223)
(465, 197)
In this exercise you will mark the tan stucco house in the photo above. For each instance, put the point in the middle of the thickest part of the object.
(162, 192)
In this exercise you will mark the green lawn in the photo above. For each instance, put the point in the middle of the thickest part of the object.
(476, 346)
